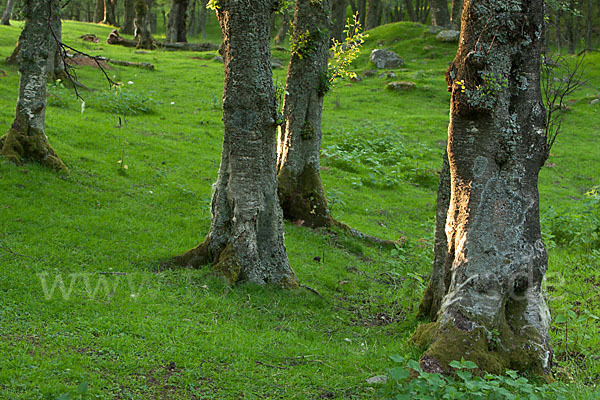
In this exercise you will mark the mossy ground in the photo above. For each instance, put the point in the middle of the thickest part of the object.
(184, 333)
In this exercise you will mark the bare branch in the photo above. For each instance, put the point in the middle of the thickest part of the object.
(560, 79)
(70, 70)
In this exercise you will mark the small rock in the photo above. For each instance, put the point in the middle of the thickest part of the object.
(595, 101)
(356, 78)
(90, 37)
(389, 74)
(448, 36)
(435, 29)
(385, 59)
(427, 48)
(369, 73)
(401, 85)
(377, 379)
(141, 52)
(218, 58)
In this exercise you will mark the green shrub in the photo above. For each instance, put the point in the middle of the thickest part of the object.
(123, 101)
(578, 226)
(408, 381)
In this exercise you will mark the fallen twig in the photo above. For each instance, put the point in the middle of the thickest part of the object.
(144, 65)
(113, 273)
(368, 238)
(14, 253)
(270, 366)
(311, 289)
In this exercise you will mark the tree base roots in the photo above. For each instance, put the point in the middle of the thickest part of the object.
(18, 148)
(493, 352)
(226, 263)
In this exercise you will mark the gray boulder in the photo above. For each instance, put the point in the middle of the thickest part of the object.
(401, 86)
(377, 379)
(385, 59)
(448, 36)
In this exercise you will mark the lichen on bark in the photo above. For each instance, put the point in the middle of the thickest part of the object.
(26, 139)
(486, 298)
(245, 240)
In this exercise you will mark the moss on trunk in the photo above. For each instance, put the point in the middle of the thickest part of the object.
(302, 197)
(26, 139)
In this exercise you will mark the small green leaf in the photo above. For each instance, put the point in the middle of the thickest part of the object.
(412, 364)
(82, 388)
(397, 358)
(560, 319)
(398, 373)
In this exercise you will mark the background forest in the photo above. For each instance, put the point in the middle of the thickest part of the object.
(88, 308)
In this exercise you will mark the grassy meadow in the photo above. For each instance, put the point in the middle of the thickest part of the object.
(142, 160)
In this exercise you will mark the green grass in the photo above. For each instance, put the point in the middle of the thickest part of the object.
(180, 334)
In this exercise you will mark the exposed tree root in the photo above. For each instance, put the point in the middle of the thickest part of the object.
(18, 148)
(224, 261)
(391, 244)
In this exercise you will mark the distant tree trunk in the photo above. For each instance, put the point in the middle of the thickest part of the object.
(362, 12)
(284, 27)
(338, 23)
(152, 17)
(245, 241)
(457, 9)
(571, 28)
(589, 24)
(300, 189)
(176, 29)
(202, 18)
(493, 311)
(559, 42)
(372, 20)
(26, 138)
(109, 12)
(421, 10)
(192, 27)
(99, 11)
(410, 10)
(7, 12)
(440, 278)
(142, 26)
(439, 13)
(55, 69)
(128, 17)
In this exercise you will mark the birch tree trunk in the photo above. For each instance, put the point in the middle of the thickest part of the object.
(176, 27)
(493, 311)
(7, 12)
(245, 241)
(300, 189)
(26, 138)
